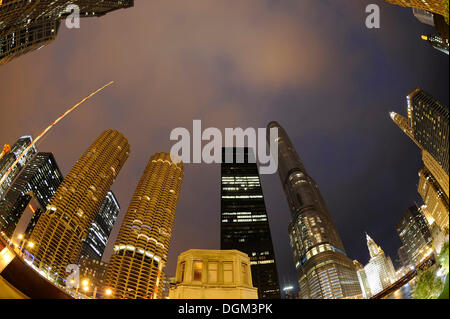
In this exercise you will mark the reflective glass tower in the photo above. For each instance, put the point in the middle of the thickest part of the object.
(136, 269)
(95, 242)
(60, 231)
(244, 223)
(42, 177)
(324, 271)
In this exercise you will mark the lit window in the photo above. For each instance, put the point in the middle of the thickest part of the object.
(198, 267)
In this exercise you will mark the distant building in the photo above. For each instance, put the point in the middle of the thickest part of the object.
(379, 271)
(362, 278)
(42, 177)
(31, 212)
(424, 16)
(94, 271)
(402, 253)
(97, 238)
(244, 222)
(10, 157)
(213, 274)
(414, 234)
(437, 42)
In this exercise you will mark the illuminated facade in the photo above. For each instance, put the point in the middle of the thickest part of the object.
(427, 125)
(244, 223)
(27, 25)
(40, 176)
(380, 272)
(324, 271)
(362, 278)
(436, 201)
(415, 234)
(60, 231)
(135, 270)
(95, 242)
(213, 274)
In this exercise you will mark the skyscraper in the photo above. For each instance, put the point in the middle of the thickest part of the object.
(60, 230)
(10, 157)
(135, 270)
(379, 271)
(41, 176)
(244, 223)
(95, 242)
(435, 200)
(27, 25)
(429, 120)
(415, 234)
(428, 126)
(324, 271)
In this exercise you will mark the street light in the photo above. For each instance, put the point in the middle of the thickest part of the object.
(108, 292)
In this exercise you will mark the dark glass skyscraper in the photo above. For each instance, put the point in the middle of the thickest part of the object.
(415, 234)
(41, 176)
(244, 223)
(27, 25)
(95, 242)
(429, 120)
(324, 271)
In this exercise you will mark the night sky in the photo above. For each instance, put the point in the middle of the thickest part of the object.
(311, 65)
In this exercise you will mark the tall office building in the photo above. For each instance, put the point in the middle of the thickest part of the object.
(379, 271)
(435, 6)
(436, 201)
(415, 234)
(95, 242)
(136, 268)
(60, 230)
(428, 126)
(27, 25)
(41, 176)
(429, 120)
(10, 156)
(244, 223)
(324, 271)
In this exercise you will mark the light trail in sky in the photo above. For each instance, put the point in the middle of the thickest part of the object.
(5, 176)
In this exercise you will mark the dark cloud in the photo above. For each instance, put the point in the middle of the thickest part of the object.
(311, 65)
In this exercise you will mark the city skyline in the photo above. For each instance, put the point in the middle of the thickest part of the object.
(319, 145)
